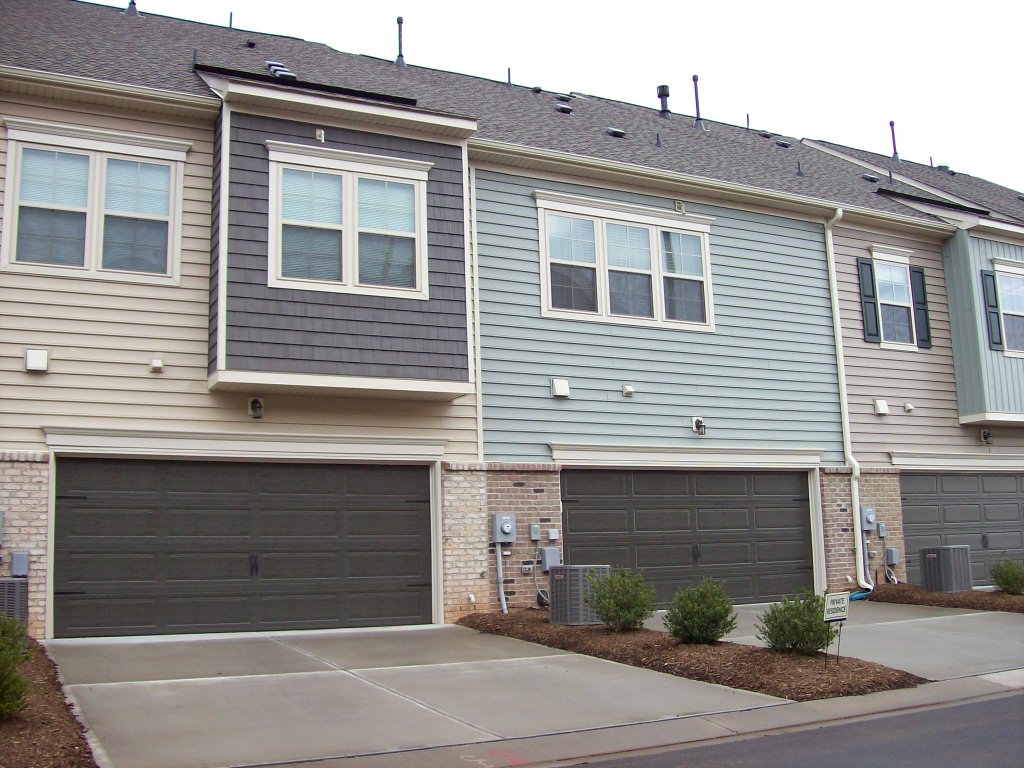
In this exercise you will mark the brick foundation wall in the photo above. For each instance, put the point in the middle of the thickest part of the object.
(475, 492)
(25, 501)
(880, 489)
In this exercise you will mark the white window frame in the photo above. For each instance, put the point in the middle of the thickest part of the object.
(1011, 269)
(350, 166)
(892, 259)
(655, 220)
(99, 145)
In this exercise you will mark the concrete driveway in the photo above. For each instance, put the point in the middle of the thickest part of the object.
(934, 643)
(268, 699)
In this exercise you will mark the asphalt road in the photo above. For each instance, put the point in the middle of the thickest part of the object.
(986, 734)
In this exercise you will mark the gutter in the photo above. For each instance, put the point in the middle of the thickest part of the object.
(863, 578)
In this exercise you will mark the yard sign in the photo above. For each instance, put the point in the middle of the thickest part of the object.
(837, 606)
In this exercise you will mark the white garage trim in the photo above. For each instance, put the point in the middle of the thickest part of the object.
(644, 456)
(958, 462)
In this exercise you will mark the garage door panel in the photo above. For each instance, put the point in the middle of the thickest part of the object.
(783, 551)
(919, 485)
(721, 484)
(921, 514)
(387, 608)
(663, 520)
(1009, 484)
(959, 484)
(597, 521)
(1006, 540)
(723, 519)
(663, 484)
(663, 556)
(742, 537)
(996, 513)
(183, 555)
(961, 513)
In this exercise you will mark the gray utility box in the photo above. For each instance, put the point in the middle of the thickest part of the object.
(14, 599)
(570, 585)
(946, 569)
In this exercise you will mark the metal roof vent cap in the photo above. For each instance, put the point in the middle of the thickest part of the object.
(277, 69)
(131, 10)
(870, 177)
(565, 109)
(618, 133)
(783, 144)
(943, 168)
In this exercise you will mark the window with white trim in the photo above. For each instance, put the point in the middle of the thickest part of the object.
(347, 221)
(92, 203)
(621, 263)
(1003, 302)
(894, 300)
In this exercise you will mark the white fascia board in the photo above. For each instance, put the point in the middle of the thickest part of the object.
(261, 382)
(240, 445)
(517, 155)
(241, 92)
(959, 462)
(992, 417)
(141, 97)
(586, 455)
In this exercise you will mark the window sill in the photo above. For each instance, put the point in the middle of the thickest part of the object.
(590, 317)
(899, 346)
(83, 273)
(358, 290)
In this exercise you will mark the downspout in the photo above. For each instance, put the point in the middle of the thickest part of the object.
(863, 577)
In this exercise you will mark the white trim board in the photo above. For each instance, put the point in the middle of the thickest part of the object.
(584, 455)
(959, 462)
(260, 382)
(241, 446)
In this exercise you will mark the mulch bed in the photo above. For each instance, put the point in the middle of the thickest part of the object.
(45, 734)
(786, 675)
(911, 594)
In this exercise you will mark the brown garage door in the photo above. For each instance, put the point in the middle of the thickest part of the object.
(152, 547)
(750, 530)
(984, 511)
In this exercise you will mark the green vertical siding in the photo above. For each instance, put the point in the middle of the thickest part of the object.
(765, 378)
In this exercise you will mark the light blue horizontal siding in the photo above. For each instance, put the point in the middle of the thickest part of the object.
(986, 380)
(765, 378)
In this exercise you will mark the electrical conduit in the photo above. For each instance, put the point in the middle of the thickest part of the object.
(501, 578)
(863, 577)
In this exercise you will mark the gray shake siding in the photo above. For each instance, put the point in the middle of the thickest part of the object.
(316, 332)
(764, 378)
(215, 242)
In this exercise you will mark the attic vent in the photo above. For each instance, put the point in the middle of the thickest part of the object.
(1021, 198)
(563, 97)
(565, 109)
(764, 134)
(870, 177)
(536, 89)
(277, 69)
(783, 144)
(250, 43)
(618, 133)
(943, 167)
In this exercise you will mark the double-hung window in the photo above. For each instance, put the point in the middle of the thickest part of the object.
(1003, 302)
(894, 300)
(621, 263)
(91, 203)
(347, 222)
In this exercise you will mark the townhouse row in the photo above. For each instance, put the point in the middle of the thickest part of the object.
(283, 329)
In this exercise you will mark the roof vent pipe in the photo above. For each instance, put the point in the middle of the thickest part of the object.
(400, 61)
(698, 123)
(892, 130)
(663, 96)
(131, 10)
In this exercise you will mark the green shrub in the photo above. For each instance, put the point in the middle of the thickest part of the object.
(621, 599)
(797, 625)
(700, 614)
(1009, 576)
(13, 651)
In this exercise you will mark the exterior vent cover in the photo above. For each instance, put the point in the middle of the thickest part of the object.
(14, 599)
(946, 569)
(570, 584)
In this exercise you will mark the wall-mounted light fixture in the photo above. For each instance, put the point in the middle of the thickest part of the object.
(698, 425)
(986, 436)
(255, 408)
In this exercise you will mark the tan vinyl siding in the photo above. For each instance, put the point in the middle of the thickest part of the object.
(922, 377)
(102, 334)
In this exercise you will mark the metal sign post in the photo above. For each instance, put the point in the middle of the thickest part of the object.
(837, 608)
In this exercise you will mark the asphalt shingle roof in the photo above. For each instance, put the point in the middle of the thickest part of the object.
(100, 42)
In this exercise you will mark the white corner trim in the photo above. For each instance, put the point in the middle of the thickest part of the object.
(238, 445)
(345, 160)
(64, 135)
(960, 462)
(579, 454)
(593, 206)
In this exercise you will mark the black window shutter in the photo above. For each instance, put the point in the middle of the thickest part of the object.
(990, 295)
(869, 300)
(917, 289)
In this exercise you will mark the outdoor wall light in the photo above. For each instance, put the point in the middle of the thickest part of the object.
(255, 407)
(986, 436)
(699, 425)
